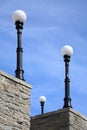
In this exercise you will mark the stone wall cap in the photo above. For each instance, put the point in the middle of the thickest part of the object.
(63, 110)
(78, 114)
(50, 113)
(15, 79)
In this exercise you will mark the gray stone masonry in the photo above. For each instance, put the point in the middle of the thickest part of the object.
(63, 119)
(14, 103)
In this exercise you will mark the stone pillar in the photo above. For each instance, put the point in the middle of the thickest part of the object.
(63, 119)
(14, 103)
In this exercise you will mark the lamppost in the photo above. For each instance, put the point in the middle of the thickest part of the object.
(67, 51)
(42, 102)
(19, 17)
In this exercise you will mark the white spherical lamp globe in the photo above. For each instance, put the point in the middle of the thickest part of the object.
(67, 50)
(19, 15)
(42, 99)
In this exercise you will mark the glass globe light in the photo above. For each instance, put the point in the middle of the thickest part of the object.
(67, 50)
(42, 99)
(19, 15)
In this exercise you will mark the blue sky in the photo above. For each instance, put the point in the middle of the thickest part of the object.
(50, 25)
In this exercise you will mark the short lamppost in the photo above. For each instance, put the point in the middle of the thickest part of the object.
(67, 51)
(19, 17)
(42, 102)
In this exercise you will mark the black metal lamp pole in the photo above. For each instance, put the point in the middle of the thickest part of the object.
(19, 18)
(19, 72)
(42, 102)
(67, 52)
(42, 107)
(67, 99)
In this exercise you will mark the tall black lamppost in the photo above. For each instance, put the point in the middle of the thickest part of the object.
(42, 102)
(67, 51)
(19, 17)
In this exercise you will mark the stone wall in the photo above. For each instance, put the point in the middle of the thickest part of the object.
(77, 121)
(14, 103)
(63, 119)
(15, 109)
(56, 120)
